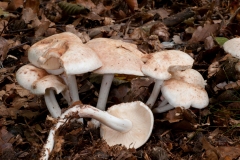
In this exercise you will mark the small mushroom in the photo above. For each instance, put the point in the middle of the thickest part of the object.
(129, 124)
(39, 82)
(232, 47)
(118, 57)
(184, 89)
(64, 52)
(157, 65)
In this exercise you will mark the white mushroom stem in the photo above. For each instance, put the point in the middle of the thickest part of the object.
(73, 88)
(118, 124)
(104, 91)
(52, 103)
(155, 92)
(71, 82)
(163, 107)
(103, 96)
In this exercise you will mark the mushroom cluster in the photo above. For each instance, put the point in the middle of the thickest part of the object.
(55, 60)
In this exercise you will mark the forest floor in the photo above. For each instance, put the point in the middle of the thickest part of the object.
(198, 27)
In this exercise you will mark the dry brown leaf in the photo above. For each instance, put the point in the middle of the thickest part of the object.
(8, 112)
(59, 141)
(4, 5)
(4, 48)
(28, 114)
(22, 92)
(14, 5)
(10, 87)
(209, 43)
(33, 4)
(201, 33)
(177, 39)
(138, 33)
(19, 102)
(42, 28)
(6, 147)
(86, 3)
(230, 152)
(28, 15)
(161, 11)
(211, 152)
(2, 93)
(132, 4)
(160, 30)
(174, 115)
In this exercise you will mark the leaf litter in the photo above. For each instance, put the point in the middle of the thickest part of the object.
(191, 26)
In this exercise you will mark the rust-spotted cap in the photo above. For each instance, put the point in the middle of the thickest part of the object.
(37, 80)
(64, 50)
(182, 94)
(156, 65)
(117, 56)
(190, 76)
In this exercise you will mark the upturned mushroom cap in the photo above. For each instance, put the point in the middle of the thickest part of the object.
(37, 80)
(181, 94)
(156, 65)
(190, 76)
(117, 56)
(142, 124)
(232, 47)
(64, 50)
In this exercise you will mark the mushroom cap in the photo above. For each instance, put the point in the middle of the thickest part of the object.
(157, 64)
(190, 76)
(232, 47)
(64, 50)
(181, 94)
(117, 56)
(37, 80)
(142, 124)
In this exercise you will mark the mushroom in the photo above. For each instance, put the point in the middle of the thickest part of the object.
(39, 82)
(184, 89)
(118, 57)
(129, 124)
(232, 47)
(157, 65)
(64, 52)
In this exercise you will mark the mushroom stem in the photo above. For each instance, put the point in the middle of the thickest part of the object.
(155, 92)
(163, 108)
(104, 91)
(163, 103)
(103, 96)
(73, 89)
(118, 124)
(52, 103)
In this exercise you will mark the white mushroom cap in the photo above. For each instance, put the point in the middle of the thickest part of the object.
(157, 64)
(181, 94)
(190, 76)
(54, 44)
(50, 81)
(117, 56)
(64, 50)
(232, 47)
(37, 80)
(142, 123)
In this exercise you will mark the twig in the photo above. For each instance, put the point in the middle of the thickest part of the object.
(33, 131)
(233, 16)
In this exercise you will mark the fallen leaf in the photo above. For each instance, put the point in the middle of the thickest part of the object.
(201, 33)
(132, 4)
(228, 152)
(4, 48)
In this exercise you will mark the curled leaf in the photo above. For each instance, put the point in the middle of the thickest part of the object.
(73, 9)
